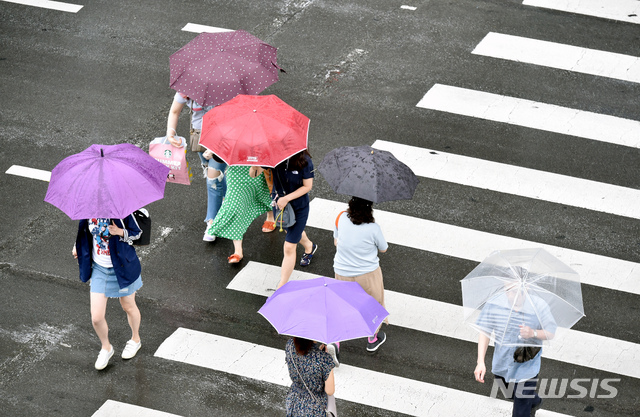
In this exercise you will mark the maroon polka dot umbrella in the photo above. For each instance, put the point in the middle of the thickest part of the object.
(215, 67)
(254, 130)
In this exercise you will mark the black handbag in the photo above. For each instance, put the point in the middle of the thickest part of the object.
(525, 353)
(144, 222)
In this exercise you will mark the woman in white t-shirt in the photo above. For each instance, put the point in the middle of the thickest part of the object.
(358, 241)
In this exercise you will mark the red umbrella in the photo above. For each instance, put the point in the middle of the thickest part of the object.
(215, 67)
(254, 130)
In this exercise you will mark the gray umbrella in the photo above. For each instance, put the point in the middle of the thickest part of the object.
(368, 173)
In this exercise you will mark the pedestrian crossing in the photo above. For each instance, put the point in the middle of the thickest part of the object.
(620, 10)
(560, 56)
(589, 350)
(510, 179)
(359, 385)
(474, 245)
(532, 114)
(403, 395)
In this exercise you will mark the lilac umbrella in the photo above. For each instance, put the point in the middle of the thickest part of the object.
(323, 309)
(215, 67)
(107, 181)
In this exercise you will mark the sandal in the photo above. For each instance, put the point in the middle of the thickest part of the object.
(234, 259)
(268, 226)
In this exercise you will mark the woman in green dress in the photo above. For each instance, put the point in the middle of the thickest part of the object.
(246, 199)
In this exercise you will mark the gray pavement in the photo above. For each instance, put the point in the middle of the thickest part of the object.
(357, 69)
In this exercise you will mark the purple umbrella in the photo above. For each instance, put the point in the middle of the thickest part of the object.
(323, 309)
(215, 67)
(107, 181)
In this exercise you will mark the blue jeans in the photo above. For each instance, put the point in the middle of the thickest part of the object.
(215, 189)
(524, 396)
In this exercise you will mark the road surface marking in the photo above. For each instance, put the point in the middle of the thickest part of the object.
(521, 112)
(556, 55)
(192, 27)
(45, 4)
(37, 174)
(622, 10)
(408, 7)
(460, 242)
(516, 180)
(375, 389)
(117, 409)
(444, 319)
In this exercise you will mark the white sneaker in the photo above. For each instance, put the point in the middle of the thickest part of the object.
(208, 237)
(130, 349)
(103, 358)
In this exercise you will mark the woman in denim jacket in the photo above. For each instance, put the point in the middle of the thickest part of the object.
(106, 257)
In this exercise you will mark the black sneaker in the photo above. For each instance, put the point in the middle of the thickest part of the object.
(306, 257)
(380, 339)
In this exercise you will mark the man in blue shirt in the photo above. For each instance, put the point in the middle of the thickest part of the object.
(515, 317)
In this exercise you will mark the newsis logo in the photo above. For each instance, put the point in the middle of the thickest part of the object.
(559, 388)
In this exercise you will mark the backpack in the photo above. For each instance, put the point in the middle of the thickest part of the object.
(144, 222)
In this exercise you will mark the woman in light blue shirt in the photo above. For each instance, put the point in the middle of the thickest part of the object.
(358, 241)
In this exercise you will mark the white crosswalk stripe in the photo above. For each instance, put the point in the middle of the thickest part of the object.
(46, 4)
(193, 27)
(556, 55)
(588, 350)
(354, 384)
(621, 10)
(460, 242)
(525, 182)
(113, 408)
(527, 113)
(27, 172)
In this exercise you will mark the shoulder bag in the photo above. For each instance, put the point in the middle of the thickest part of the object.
(286, 217)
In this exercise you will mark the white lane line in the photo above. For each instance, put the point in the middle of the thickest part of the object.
(622, 10)
(450, 240)
(516, 180)
(443, 319)
(45, 4)
(113, 408)
(37, 174)
(556, 55)
(353, 384)
(521, 112)
(192, 27)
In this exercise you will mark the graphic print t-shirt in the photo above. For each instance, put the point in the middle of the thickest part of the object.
(99, 229)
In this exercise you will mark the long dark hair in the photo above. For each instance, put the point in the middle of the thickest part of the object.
(360, 211)
(303, 346)
(299, 160)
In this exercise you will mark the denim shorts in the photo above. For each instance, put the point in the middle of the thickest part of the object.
(104, 281)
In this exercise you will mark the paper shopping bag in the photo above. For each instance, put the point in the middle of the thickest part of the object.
(175, 158)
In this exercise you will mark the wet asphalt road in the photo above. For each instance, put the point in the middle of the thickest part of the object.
(357, 69)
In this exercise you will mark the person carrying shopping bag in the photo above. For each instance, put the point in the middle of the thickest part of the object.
(213, 167)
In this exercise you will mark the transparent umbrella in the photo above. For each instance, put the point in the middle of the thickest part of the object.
(521, 287)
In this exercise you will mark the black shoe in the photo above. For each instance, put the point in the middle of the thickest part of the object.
(380, 339)
(536, 408)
